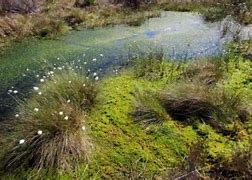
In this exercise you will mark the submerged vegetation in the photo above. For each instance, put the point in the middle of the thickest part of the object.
(157, 119)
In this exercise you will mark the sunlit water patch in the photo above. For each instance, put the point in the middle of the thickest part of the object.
(180, 35)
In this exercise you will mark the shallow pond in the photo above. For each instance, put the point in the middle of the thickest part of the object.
(181, 36)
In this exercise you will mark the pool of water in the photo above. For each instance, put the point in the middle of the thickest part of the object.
(181, 35)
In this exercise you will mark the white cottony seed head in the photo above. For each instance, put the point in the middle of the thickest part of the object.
(36, 88)
(61, 113)
(36, 109)
(40, 132)
(21, 141)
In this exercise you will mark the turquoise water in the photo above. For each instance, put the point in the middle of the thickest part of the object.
(180, 35)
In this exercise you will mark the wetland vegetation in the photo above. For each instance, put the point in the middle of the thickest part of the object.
(170, 99)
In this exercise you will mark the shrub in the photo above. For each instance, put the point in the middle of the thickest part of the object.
(52, 126)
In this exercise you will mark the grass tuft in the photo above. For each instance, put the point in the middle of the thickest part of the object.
(52, 128)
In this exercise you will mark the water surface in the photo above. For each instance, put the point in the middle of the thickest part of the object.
(181, 36)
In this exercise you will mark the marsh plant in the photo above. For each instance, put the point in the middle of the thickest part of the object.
(148, 109)
(196, 93)
(52, 128)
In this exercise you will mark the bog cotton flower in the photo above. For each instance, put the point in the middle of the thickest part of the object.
(66, 118)
(42, 80)
(40, 132)
(61, 113)
(21, 141)
(96, 78)
(36, 88)
(68, 101)
(17, 115)
(39, 93)
(15, 91)
(94, 59)
(36, 109)
(83, 128)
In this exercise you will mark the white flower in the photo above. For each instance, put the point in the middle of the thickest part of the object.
(40, 93)
(96, 78)
(15, 91)
(94, 59)
(24, 75)
(61, 113)
(59, 68)
(21, 141)
(101, 55)
(36, 88)
(17, 115)
(42, 80)
(36, 109)
(95, 74)
(85, 62)
(58, 58)
(79, 60)
(69, 82)
(68, 101)
(83, 128)
(84, 85)
(27, 69)
(37, 75)
(40, 132)
(66, 118)
(10, 90)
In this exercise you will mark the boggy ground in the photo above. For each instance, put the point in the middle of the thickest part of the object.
(157, 119)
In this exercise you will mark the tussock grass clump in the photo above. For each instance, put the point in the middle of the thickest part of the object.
(190, 101)
(206, 71)
(148, 109)
(52, 126)
(155, 66)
